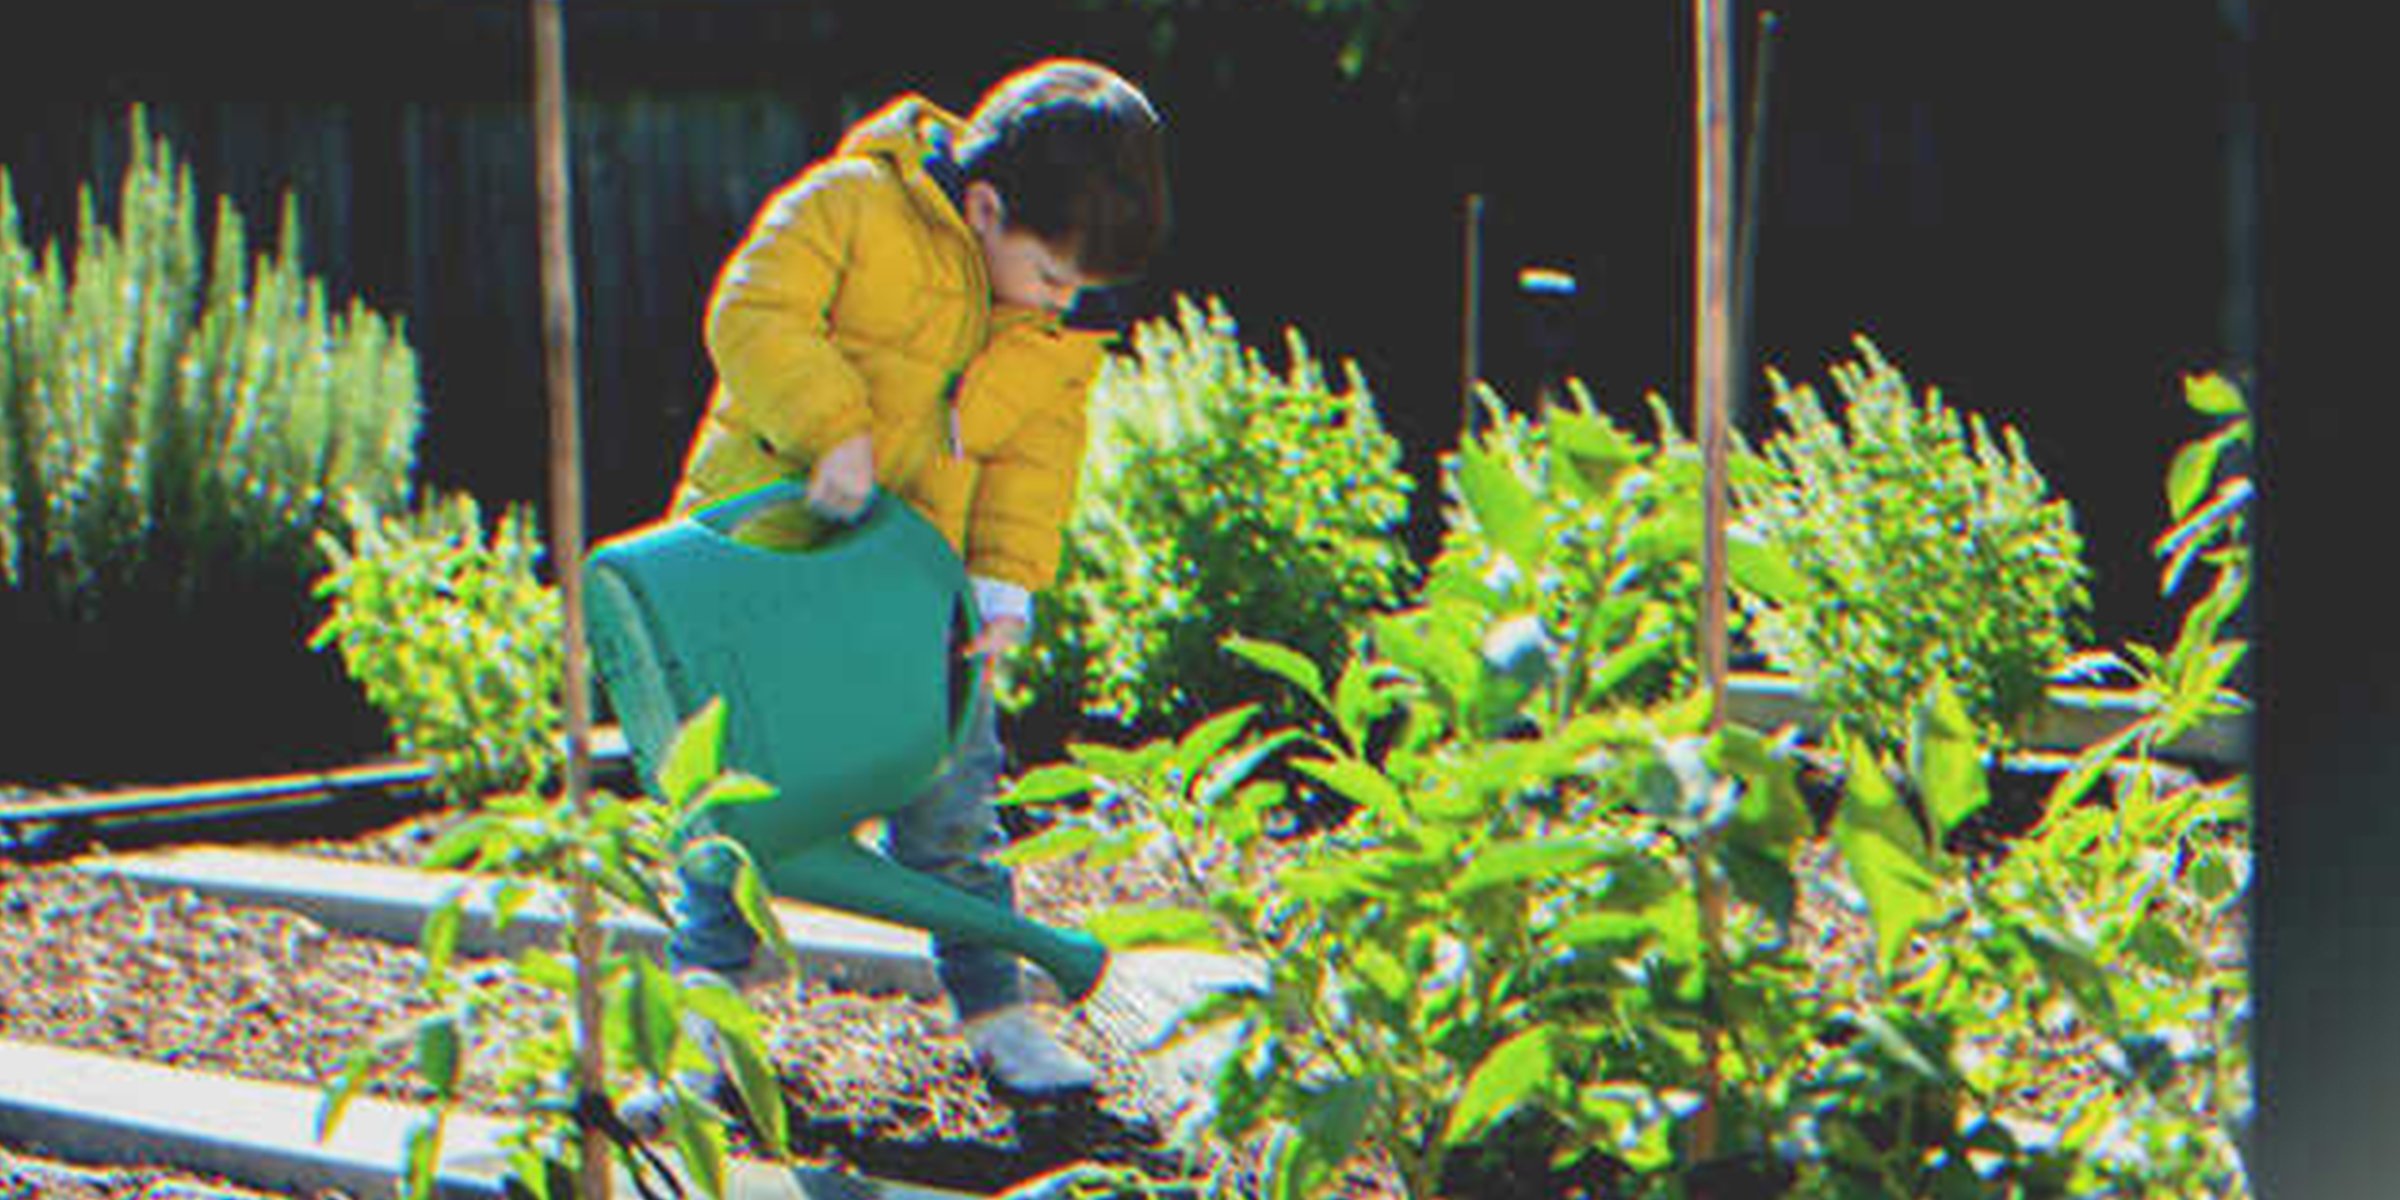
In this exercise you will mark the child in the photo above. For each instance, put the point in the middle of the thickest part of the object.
(899, 317)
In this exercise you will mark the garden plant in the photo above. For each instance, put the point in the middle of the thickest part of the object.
(1576, 911)
(453, 637)
(175, 430)
(1917, 539)
(1217, 494)
(535, 845)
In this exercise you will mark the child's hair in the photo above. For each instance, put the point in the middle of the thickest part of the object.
(1075, 152)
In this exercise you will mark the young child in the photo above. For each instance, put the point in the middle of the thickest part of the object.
(902, 316)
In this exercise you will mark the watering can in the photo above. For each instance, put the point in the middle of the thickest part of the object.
(841, 689)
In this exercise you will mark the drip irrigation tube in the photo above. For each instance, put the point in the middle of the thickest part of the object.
(45, 827)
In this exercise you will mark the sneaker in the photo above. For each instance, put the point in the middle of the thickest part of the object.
(1020, 1058)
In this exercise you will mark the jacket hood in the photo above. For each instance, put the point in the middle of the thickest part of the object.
(913, 136)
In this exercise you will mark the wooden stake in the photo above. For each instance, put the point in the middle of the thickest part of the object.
(566, 550)
(1712, 229)
(1712, 287)
(1470, 322)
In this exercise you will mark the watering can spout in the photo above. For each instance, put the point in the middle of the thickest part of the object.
(844, 875)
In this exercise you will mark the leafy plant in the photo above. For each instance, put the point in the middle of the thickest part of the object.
(167, 423)
(1920, 542)
(1588, 539)
(1582, 907)
(454, 640)
(1217, 494)
(537, 845)
(175, 430)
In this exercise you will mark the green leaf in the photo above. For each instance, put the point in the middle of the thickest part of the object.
(344, 1089)
(1058, 841)
(438, 939)
(1047, 785)
(1518, 1071)
(700, 1143)
(2164, 949)
(1761, 878)
(1208, 739)
(650, 1016)
(2189, 473)
(421, 1151)
(1948, 761)
(1770, 814)
(2072, 966)
(463, 841)
(1359, 782)
(753, 1072)
(1332, 1119)
(2213, 395)
(438, 1054)
(1760, 569)
(1501, 504)
(1124, 927)
(1281, 661)
(694, 754)
(1897, 1047)
(1886, 854)
(1360, 698)
(758, 907)
(1510, 864)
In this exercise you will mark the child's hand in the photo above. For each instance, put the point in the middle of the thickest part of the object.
(998, 636)
(844, 478)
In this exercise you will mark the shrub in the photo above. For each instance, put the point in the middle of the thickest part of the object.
(162, 426)
(453, 639)
(173, 434)
(1590, 539)
(1920, 543)
(1217, 494)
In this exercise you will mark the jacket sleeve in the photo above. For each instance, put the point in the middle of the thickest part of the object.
(1021, 418)
(768, 330)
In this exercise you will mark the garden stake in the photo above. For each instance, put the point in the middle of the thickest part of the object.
(566, 526)
(1713, 184)
(1470, 317)
(1745, 258)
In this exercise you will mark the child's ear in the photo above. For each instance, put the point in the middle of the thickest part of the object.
(984, 209)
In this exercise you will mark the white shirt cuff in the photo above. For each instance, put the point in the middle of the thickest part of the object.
(995, 598)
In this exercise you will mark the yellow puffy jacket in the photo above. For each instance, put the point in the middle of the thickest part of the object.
(859, 302)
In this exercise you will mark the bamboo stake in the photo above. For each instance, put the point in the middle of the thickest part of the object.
(1470, 320)
(566, 525)
(1712, 324)
(1745, 258)
(1712, 231)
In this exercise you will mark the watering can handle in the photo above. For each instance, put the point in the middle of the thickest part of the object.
(728, 514)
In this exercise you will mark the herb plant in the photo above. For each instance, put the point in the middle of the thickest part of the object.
(453, 638)
(1919, 541)
(1217, 494)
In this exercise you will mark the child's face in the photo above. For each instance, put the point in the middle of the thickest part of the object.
(1023, 268)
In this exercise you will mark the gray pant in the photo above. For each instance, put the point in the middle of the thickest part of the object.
(948, 832)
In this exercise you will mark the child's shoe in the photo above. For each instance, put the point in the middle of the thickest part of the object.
(1021, 1060)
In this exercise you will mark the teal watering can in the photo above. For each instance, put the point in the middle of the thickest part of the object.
(841, 689)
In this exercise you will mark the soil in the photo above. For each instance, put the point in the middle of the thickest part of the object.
(877, 1083)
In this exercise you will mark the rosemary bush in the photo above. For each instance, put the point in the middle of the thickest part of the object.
(1217, 494)
(164, 421)
(175, 428)
(1921, 543)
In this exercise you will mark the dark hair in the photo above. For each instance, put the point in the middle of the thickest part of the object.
(1075, 152)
